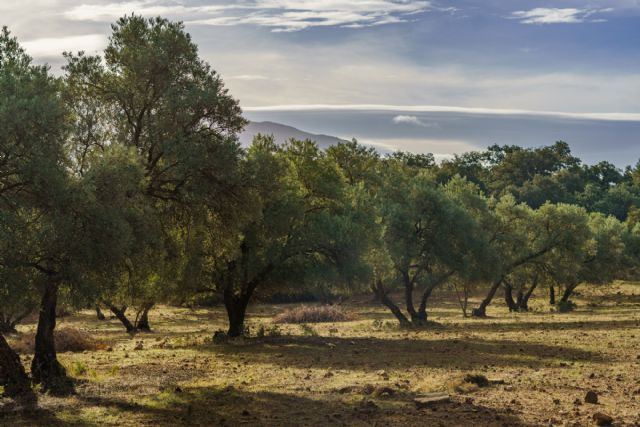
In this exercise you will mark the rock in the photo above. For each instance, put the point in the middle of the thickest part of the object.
(383, 391)
(368, 389)
(479, 380)
(602, 419)
(591, 397)
(431, 399)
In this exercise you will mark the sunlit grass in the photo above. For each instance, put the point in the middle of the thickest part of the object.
(316, 374)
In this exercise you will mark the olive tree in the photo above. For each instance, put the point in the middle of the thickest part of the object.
(523, 236)
(300, 226)
(152, 94)
(427, 238)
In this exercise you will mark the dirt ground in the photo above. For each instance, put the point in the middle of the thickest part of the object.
(364, 372)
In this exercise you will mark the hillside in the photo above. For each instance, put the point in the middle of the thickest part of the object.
(282, 133)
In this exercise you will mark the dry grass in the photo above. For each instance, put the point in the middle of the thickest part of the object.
(357, 374)
(314, 314)
(67, 340)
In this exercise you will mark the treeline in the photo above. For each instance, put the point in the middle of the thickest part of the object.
(123, 185)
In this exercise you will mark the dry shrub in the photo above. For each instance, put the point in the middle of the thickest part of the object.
(313, 314)
(467, 383)
(67, 339)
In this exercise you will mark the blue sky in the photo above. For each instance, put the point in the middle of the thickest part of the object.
(494, 61)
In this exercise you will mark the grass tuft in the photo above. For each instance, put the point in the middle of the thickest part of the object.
(314, 314)
(67, 340)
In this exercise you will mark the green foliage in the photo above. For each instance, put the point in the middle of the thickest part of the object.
(123, 181)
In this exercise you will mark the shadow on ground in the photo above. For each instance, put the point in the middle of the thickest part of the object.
(377, 353)
(204, 406)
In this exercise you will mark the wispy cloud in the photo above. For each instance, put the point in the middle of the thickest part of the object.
(279, 15)
(52, 47)
(248, 77)
(411, 120)
(112, 11)
(543, 15)
(630, 117)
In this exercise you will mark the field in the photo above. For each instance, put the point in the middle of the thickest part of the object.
(540, 365)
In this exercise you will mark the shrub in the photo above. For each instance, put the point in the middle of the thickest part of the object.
(67, 339)
(467, 383)
(78, 369)
(313, 314)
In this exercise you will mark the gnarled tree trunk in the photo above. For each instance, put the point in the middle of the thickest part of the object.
(408, 298)
(9, 322)
(120, 314)
(508, 297)
(99, 314)
(552, 295)
(45, 368)
(13, 377)
(143, 321)
(381, 295)
(524, 302)
(568, 291)
(481, 311)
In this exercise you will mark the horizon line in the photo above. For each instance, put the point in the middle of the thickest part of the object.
(618, 117)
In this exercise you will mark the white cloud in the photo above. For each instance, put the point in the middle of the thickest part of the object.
(54, 46)
(248, 77)
(411, 120)
(543, 15)
(112, 11)
(279, 15)
(631, 117)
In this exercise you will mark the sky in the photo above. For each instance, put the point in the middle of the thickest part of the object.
(427, 76)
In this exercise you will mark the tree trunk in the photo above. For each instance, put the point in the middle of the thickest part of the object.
(120, 313)
(7, 327)
(381, 295)
(143, 321)
(481, 311)
(508, 297)
(236, 306)
(567, 293)
(99, 314)
(552, 295)
(45, 368)
(13, 377)
(8, 322)
(524, 303)
(408, 298)
(422, 309)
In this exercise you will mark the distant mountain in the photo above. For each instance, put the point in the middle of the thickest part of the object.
(282, 133)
